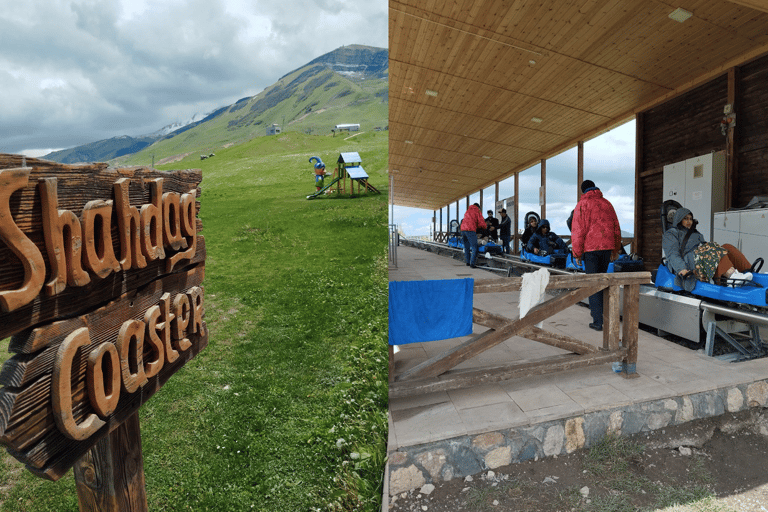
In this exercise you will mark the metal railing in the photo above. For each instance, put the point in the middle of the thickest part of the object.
(394, 241)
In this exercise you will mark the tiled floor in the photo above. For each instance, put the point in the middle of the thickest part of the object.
(665, 370)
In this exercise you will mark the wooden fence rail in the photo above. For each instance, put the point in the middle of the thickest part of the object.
(619, 339)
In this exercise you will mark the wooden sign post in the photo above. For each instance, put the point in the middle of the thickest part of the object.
(101, 276)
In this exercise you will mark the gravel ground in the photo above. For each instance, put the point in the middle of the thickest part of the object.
(710, 465)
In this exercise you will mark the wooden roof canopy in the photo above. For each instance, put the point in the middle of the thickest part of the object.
(483, 89)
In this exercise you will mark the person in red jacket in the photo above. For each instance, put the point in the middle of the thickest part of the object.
(473, 220)
(595, 238)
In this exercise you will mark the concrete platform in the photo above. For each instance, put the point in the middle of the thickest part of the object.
(452, 434)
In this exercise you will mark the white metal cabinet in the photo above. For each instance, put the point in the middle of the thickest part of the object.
(754, 233)
(745, 229)
(698, 184)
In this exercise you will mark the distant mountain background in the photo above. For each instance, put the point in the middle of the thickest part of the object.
(347, 85)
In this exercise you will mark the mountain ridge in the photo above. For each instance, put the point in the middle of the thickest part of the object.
(311, 98)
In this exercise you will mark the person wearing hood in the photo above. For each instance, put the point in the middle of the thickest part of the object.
(595, 238)
(691, 258)
(472, 221)
(544, 241)
(531, 225)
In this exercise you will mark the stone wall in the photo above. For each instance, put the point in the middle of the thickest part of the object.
(414, 466)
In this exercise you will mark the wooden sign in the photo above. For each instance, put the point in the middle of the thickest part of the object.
(101, 275)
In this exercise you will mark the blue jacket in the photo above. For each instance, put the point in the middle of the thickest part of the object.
(551, 243)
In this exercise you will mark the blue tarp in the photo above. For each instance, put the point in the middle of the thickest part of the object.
(429, 310)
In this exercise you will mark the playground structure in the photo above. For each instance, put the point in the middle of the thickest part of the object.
(349, 166)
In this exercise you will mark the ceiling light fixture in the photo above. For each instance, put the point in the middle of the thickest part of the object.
(455, 181)
(680, 15)
(409, 142)
(486, 157)
(532, 62)
(536, 119)
(430, 92)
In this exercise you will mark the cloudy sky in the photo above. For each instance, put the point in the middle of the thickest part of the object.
(609, 161)
(74, 72)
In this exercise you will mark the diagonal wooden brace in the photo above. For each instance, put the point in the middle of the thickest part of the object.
(501, 329)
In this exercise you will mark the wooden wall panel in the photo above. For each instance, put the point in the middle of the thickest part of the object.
(684, 127)
(752, 133)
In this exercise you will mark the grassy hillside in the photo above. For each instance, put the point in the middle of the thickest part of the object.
(286, 408)
(310, 100)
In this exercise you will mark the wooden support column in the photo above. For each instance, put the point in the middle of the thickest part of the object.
(110, 477)
(639, 165)
(611, 312)
(457, 213)
(731, 146)
(434, 225)
(516, 217)
(543, 189)
(579, 169)
(481, 201)
(495, 195)
(629, 335)
(441, 220)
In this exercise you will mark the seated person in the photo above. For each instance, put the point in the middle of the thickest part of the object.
(544, 242)
(690, 257)
(531, 224)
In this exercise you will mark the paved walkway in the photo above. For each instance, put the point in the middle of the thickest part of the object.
(675, 384)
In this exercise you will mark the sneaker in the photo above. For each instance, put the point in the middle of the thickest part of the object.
(737, 279)
(597, 327)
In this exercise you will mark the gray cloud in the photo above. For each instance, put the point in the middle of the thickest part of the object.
(72, 72)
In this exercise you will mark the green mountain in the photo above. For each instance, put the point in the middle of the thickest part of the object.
(347, 85)
(102, 150)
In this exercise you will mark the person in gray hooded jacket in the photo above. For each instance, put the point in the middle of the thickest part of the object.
(687, 253)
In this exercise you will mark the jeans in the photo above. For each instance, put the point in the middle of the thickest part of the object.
(470, 247)
(596, 262)
(505, 243)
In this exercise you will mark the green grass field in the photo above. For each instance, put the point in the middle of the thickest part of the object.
(286, 408)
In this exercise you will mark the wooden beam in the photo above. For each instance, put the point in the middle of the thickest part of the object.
(579, 169)
(758, 5)
(731, 144)
(543, 190)
(559, 340)
(639, 168)
(629, 338)
(480, 343)
(516, 219)
(110, 476)
(556, 282)
(460, 379)
(611, 318)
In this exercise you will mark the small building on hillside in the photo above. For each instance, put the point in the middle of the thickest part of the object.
(347, 127)
(274, 129)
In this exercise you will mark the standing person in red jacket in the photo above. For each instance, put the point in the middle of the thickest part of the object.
(473, 220)
(596, 238)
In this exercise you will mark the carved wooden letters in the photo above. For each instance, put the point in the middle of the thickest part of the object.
(101, 286)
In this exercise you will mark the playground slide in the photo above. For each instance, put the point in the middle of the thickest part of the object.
(322, 190)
